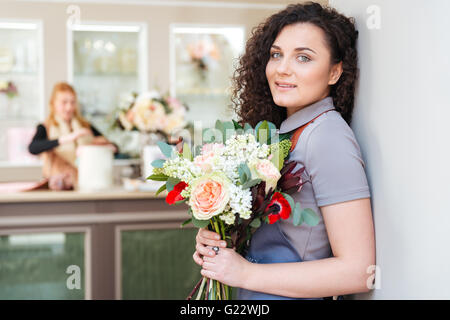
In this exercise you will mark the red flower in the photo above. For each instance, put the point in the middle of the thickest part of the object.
(278, 208)
(175, 195)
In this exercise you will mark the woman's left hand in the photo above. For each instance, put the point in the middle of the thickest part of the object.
(227, 266)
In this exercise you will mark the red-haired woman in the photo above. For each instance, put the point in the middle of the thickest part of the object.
(60, 135)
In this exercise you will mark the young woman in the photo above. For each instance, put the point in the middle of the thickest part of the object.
(299, 71)
(58, 138)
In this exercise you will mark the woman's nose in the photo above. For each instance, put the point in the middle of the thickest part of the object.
(283, 66)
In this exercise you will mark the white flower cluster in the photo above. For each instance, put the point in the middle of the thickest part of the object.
(182, 169)
(239, 149)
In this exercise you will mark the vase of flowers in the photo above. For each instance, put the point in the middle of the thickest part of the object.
(157, 118)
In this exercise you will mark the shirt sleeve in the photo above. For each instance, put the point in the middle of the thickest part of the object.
(335, 165)
(40, 141)
(95, 132)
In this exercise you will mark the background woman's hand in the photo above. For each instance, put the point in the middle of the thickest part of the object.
(205, 240)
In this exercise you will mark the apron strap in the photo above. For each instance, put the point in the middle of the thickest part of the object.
(296, 135)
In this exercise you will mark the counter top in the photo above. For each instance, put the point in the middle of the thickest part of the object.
(116, 193)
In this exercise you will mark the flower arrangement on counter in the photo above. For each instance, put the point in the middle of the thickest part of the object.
(8, 88)
(151, 112)
(236, 180)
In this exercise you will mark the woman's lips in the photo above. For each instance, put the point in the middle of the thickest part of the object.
(284, 86)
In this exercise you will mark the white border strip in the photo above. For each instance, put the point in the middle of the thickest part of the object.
(166, 3)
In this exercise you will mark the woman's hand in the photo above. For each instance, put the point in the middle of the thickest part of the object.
(227, 266)
(205, 240)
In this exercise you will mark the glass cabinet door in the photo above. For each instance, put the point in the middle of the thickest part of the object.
(158, 264)
(42, 266)
(106, 62)
(203, 59)
(21, 88)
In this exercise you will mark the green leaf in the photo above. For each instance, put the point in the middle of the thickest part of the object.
(200, 223)
(158, 177)
(158, 163)
(236, 125)
(171, 182)
(248, 128)
(210, 135)
(310, 217)
(277, 159)
(256, 223)
(262, 132)
(165, 149)
(229, 130)
(186, 222)
(290, 200)
(297, 216)
(244, 173)
(251, 183)
(187, 154)
(181, 201)
(163, 187)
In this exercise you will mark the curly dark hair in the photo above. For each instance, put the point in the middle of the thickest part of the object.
(251, 96)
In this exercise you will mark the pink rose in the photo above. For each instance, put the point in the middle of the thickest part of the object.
(205, 159)
(209, 196)
(266, 171)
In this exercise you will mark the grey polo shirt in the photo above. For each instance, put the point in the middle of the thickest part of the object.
(334, 169)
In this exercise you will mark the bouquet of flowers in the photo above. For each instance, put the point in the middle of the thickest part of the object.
(236, 180)
(149, 112)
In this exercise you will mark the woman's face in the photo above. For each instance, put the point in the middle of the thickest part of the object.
(65, 105)
(299, 71)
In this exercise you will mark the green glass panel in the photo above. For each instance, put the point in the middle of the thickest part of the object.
(33, 266)
(158, 264)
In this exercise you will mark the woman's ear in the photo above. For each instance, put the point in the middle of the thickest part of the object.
(335, 73)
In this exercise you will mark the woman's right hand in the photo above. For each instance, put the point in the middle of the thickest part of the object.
(205, 240)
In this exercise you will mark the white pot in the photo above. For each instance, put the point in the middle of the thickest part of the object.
(95, 168)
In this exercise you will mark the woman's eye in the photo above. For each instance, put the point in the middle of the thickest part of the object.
(304, 58)
(275, 55)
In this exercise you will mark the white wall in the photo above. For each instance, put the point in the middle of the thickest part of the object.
(401, 121)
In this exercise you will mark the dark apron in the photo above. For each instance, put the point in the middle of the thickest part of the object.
(270, 245)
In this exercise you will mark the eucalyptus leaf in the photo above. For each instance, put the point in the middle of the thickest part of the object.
(256, 223)
(200, 223)
(244, 173)
(229, 130)
(310, 217)
(251, 183)
(248, 128)
(171, 183)
(290, 200)
(158, 163)
(165, 149)
(296, 215)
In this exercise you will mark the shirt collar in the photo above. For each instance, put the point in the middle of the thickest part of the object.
(306, 114)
